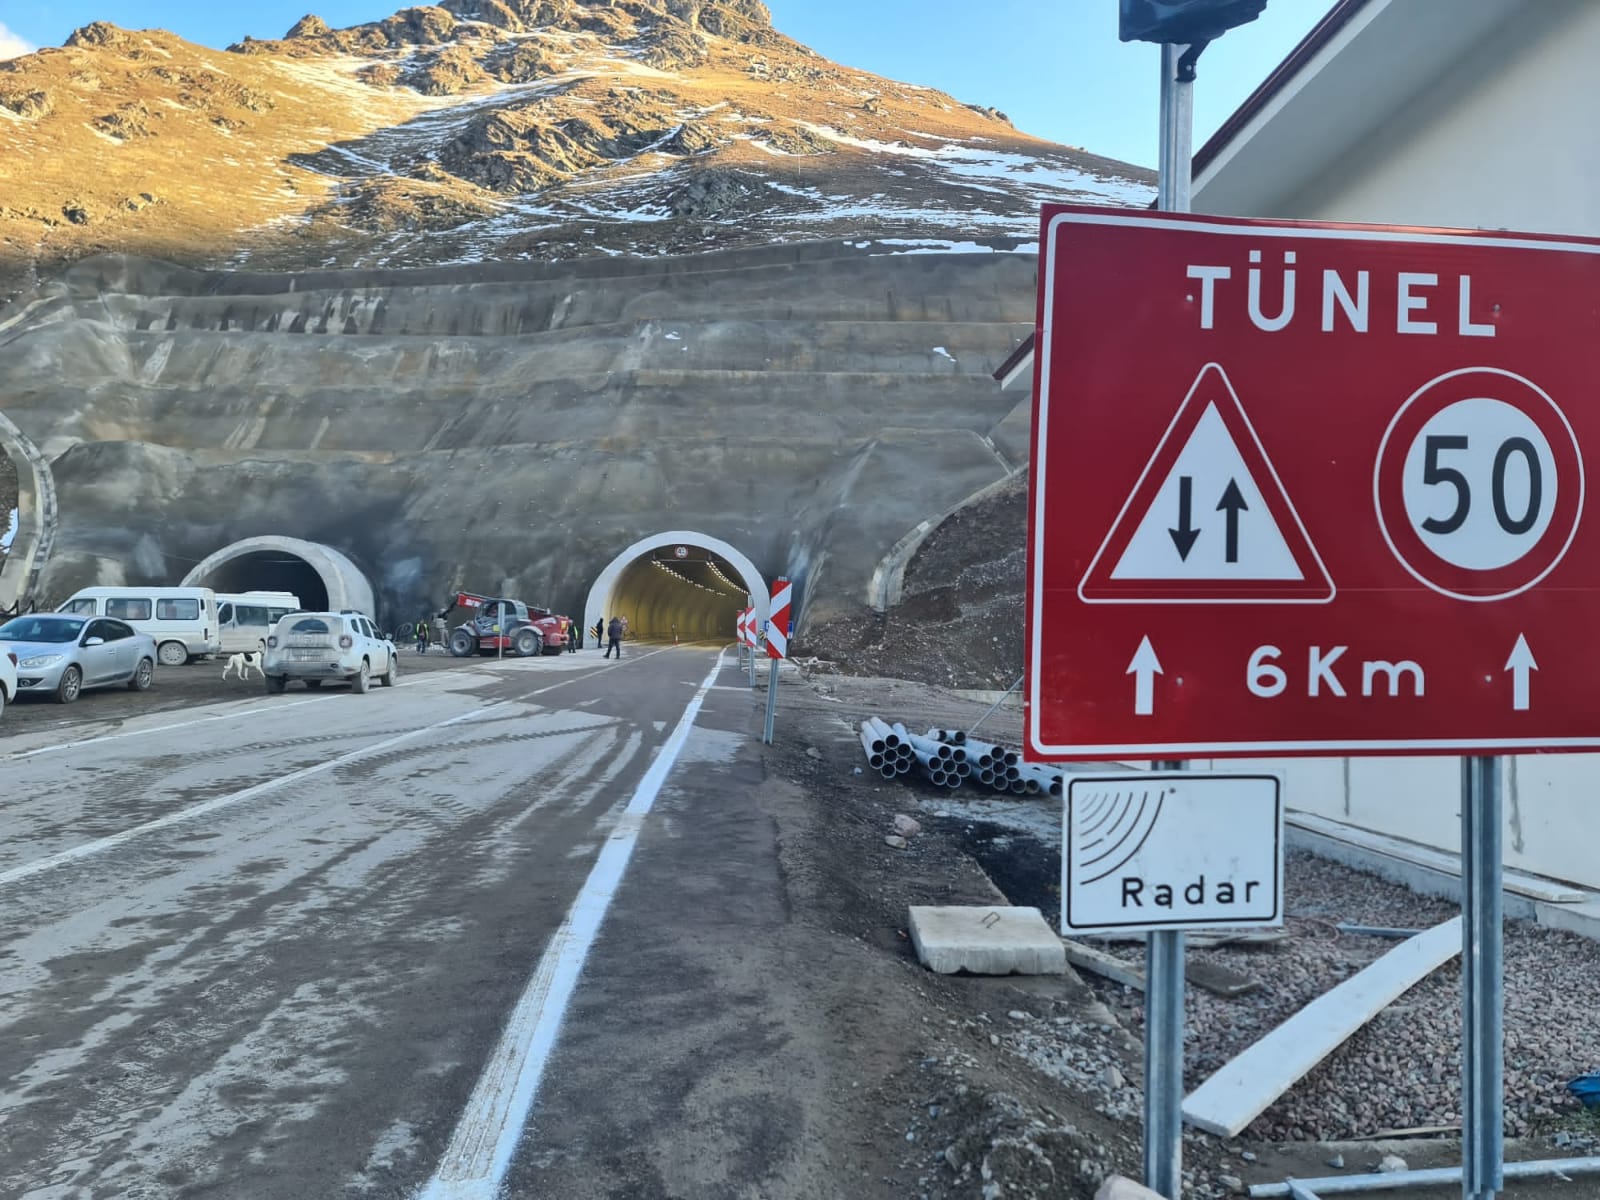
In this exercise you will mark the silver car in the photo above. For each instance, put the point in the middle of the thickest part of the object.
(60, 654)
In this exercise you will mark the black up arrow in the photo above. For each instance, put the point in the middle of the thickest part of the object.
(1183, 537)
(1233, 504)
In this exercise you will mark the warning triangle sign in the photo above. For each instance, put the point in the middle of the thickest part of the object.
(1209, 521)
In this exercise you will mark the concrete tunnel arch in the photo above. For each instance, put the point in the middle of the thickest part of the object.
(29, 550)
(322, 577)
(653, 600)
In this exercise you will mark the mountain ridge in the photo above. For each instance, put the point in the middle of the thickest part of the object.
(473, 129)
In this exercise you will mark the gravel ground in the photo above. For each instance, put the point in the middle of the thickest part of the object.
(1403, 1069)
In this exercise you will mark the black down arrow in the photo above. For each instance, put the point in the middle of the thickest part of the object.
(1183, 537)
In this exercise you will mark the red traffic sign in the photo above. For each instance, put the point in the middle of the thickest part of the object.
(1310, 489)
(778, 626)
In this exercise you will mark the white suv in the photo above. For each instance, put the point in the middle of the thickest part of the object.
(318, 646)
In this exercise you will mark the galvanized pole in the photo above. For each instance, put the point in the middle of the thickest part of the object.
(1163, 1058)
(1482, 981)
(772, 698)
(1164, 952)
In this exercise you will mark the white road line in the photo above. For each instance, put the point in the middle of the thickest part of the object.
(88, 849)
(480, 1151)
(112, 737)
(233, 714)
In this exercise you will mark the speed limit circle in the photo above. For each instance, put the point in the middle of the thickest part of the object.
(1479, 484)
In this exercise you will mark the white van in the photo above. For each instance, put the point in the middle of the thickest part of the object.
(183, 620)
(245, 618)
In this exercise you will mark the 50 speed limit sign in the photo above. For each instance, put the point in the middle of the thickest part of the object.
(1311, 489)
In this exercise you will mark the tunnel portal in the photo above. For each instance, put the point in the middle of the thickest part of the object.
(271, 571)
(320, 576)
(27, 516)
(682, 579)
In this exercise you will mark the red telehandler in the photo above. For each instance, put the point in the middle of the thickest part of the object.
(502, 626)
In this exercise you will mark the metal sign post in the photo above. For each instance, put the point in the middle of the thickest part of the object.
(1164, 950)
(1482, 981)
(772, 699)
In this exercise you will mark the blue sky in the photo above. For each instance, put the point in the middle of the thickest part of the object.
(1055, 66)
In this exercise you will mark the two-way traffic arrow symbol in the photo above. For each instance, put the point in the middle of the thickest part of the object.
(1520, 664)
(1184, 535)
(1233, 504)
(1144, 668)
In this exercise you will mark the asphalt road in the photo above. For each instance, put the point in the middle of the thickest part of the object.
(318, 945)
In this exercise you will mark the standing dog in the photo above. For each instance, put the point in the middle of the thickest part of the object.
(243, 664)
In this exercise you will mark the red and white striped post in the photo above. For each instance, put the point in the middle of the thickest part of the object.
(750, 642)
(777, 646)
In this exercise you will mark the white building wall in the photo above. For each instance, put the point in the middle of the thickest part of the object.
(1507, 138)
(1504, 139)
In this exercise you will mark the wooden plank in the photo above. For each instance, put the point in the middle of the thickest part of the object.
(1252, 937)
(1218, 980)
(1245, 1086)
(1517, 882)
(1416, 1131)
(1209, 941)
(1101, 963)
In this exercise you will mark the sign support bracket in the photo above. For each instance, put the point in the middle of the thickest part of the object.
(1164, 951)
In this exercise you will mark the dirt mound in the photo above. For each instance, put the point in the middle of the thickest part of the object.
(960, 620)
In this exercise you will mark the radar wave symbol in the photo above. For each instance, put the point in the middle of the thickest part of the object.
(1112, 830)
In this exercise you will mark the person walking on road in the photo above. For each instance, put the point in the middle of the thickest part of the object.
(614, 637)
(599, 632)
(572, 637)
(422, 635)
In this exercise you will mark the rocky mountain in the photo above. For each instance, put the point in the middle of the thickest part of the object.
(501, 129)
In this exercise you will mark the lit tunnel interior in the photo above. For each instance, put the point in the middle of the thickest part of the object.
(270, 571)
(700, 593)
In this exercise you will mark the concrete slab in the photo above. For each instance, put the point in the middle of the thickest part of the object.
(986, 940)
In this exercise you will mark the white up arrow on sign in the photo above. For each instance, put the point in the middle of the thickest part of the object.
(1519, 664)
(1144, 668)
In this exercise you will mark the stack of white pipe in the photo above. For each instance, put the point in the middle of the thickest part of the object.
(1002, 769)
(894, 750)
(950, 757)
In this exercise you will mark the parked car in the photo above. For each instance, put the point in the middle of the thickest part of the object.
(8, 678)
(319, 646)
(183, 620)
(61, 654)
